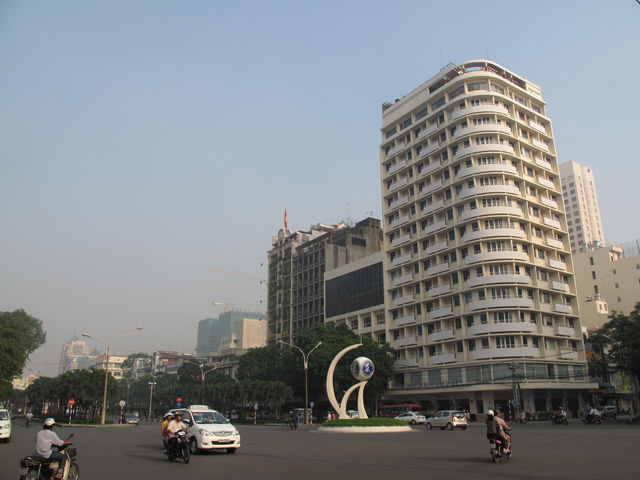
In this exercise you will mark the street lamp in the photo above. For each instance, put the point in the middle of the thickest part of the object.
(202, 374)
(305, 359)
(106, 371)
(151, 387)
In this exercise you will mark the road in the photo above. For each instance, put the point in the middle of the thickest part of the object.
(541, 451)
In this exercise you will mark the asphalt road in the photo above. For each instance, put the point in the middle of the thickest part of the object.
(540, 451)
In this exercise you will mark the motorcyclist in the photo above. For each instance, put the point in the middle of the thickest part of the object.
(29, 417)
(293, 420)
(561, 415)
(504, 431)
(43, 451)
(593, 413)
(163, 429)
(174, 426)
(493, 429)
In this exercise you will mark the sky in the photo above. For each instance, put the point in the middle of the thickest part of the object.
(145, 143)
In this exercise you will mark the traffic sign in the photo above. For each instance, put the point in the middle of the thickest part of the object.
(179, 399)
(178, 404)
(72, 401)
(122, 403)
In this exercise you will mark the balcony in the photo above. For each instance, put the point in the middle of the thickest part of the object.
(488, 168)
(550, 222)
(401, 240)
(395, 150)
(399, 202)
(401, 260)
(568, 355)
(557, 264)
(406, 320)
(509, 278)
(552, 242)
(549, 202)
(429, 149)
(493, 211)
(485, 127)
(438, 247)
(430, 168)
(519, 352)
(427, 131)
(441, 290)
(407, 363)
(479, 109)
(442, 335)
(403, 300)
(510, 302)
(566, 331)
(440, 312)
(493, 232)
(432, 207)
(485, 148)
(405, 341)
(539, 144)
(443, 358)
(545, 182)
(504, 327)
(563, 308)
(434, 227)
(399, 221)
(488, 189)
(402, 280)
(543, 163)
(432, 187)
(560, 286)
(437, 269)
(397, 185)
(499, 255)
(396, 167)
(536, 126)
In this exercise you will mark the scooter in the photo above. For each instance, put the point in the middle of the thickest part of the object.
(559, 420)
(34, 469)
(178, 446)
(597, 419)
(495, 447)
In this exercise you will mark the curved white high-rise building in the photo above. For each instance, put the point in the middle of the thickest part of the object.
(480, 294)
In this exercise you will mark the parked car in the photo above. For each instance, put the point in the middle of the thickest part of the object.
(411, 418)
(353, 413)
(448, 419)
(208, 429)
(131, 419)
(5, 425)
(608, 411)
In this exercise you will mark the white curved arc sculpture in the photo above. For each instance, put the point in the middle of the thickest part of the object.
(341, 407)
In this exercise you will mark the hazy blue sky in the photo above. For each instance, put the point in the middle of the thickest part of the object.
(142, 142)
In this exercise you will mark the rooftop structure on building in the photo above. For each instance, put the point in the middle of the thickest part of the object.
(297, 264)
(480, 299)
(584, 221)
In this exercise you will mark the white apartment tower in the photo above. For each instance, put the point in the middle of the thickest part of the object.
(479, 287)
(581, 205)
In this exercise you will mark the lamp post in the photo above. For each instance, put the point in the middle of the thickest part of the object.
(106, 370)
(152, 385)
(202, 374)
(305, 359)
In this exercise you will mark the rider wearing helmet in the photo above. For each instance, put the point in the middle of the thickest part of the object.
(45, 440)
(163, 428)
(174, 426)
(493, 429)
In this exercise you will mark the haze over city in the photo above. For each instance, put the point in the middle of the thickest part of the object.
(146, 144)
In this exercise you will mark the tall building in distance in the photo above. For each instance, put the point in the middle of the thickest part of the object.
(581, 204)
(297, 264)
(480, 292)
(73, 355)
(231, 330)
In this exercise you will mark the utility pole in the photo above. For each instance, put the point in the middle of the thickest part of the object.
(516, 390)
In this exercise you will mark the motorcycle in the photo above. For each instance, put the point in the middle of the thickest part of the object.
(495, 447)
(523, 418)
(597, 419)
(28, 421)
(559, 420)
(33, 469)
(178, 446)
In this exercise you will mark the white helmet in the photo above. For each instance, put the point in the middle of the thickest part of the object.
(49, 421)
(490, 413)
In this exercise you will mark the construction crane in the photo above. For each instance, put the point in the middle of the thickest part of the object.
(227, 305)
(235, 274)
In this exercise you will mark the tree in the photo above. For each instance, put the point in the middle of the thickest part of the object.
(20, 335)
(261, 364)
(622, 334)
(127, 365)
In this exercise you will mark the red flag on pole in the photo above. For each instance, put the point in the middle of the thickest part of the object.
(285, 219)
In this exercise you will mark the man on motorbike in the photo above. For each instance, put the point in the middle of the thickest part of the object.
(504, 429)
(45, 440)
(29, 417)
(493, 429)
(174, 426)
(561, 415)
(593, 413)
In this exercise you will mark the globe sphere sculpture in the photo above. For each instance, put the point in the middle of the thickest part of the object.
(362, 368)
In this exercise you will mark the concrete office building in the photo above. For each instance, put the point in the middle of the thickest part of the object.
(608, 279)
(73, 355)
(224, 332)
(297, 264)
(584, 221)
(480, 290)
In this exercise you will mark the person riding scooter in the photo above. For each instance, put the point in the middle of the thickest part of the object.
(45, 440)
(493, 429)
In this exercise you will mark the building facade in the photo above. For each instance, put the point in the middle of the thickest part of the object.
(608, 279)
(73, 355)
(584, 221)
(297, 265)
(480, 292)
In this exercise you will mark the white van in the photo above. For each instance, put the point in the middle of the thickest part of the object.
(5, 425)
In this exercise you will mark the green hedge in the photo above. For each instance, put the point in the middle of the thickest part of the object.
(366, 422)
